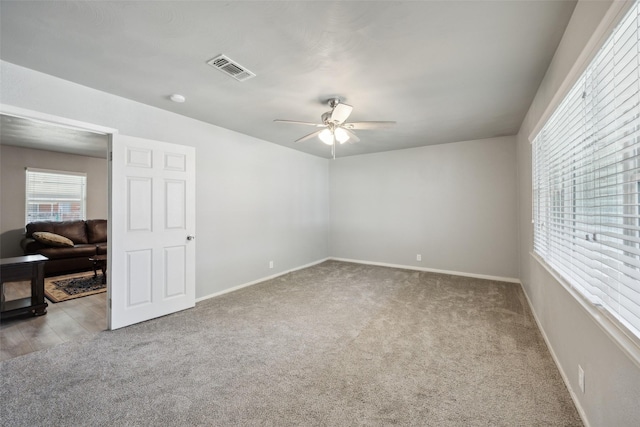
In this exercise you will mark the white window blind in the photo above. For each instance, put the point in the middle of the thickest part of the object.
(586, 180)
(55, 195)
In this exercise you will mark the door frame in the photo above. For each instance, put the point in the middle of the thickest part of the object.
(60, 121)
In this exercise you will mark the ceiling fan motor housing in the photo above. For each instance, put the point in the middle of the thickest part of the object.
(333, 102)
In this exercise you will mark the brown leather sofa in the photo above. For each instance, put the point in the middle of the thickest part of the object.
(89, 238)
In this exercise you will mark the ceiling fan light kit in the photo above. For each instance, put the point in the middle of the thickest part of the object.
(335, 126)
(341, 135)
(327, 137)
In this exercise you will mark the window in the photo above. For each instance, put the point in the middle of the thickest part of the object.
(55, 195)
(586, 180)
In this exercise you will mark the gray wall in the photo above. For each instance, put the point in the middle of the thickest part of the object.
(612, 379)
(13, 161)
(256, 201)
(455, 204)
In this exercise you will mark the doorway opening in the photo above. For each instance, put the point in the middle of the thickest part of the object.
(54, 149)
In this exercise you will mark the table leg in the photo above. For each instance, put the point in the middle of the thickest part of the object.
(37, 289)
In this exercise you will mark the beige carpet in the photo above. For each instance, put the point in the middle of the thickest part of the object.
(336, 344)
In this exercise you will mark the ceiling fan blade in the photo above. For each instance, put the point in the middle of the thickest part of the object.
(340, 113)
(296, 122)
(311, 135)
(352, 136)
(368, 125)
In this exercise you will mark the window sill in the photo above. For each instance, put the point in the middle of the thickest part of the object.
(616, 331)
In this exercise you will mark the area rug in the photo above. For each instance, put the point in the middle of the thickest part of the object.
(71, 286)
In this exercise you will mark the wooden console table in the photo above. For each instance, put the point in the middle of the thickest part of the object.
(30, 267)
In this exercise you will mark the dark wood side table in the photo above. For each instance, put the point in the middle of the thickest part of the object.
(30, 267)
(100, 261)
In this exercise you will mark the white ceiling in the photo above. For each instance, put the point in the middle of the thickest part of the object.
(21, 132)
(445, 71)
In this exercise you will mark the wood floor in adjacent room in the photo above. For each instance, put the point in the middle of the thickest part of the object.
(71, 320)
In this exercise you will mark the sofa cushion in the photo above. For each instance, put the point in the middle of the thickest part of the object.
(74, 252)
(96, 230)
(74, 230)
(51, 239)
(101, 249)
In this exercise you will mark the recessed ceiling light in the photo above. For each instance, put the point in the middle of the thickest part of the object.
(176, 97)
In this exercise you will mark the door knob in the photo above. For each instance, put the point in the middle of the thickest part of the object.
(191, 237)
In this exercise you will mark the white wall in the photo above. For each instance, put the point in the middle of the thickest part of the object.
(256, 201)
(612, 379)
(455, 204)
(13, 161)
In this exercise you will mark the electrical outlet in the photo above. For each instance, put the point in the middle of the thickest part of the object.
(270, 264)
(581, 378)
(418, 257)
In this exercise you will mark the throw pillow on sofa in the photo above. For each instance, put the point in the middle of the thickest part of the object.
(52, 239)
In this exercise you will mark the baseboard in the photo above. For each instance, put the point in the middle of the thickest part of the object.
(262, 279)
(563, 374)
(382, 264)
(431, 270)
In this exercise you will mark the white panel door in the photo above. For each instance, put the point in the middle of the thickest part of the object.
(151, 265)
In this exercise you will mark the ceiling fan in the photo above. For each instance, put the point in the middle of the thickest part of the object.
(335, 127)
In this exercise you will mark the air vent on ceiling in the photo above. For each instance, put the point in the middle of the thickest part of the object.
(231, 68)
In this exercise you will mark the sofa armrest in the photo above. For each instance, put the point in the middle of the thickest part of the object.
(31, 246)
(25, 242)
